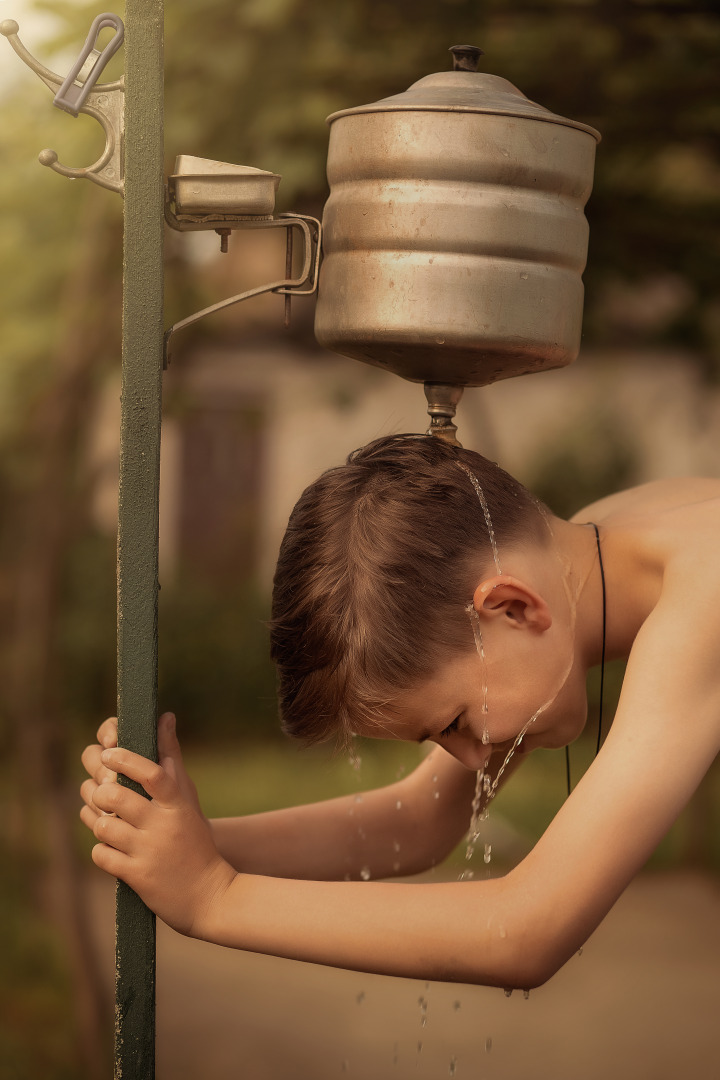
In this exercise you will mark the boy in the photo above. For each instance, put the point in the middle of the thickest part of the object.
(423, 594)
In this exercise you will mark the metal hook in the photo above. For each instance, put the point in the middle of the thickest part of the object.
(105, 102)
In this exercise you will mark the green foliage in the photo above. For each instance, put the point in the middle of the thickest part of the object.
(583, 462)
(215, 669)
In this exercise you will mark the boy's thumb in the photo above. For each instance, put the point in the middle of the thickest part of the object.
(168, 745)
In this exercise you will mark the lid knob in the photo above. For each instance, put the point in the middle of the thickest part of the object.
(465, 57)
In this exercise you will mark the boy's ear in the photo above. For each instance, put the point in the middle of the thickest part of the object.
(514, 601)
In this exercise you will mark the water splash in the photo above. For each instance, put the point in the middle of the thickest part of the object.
(480, 649)
(488, 520)
(487, 855)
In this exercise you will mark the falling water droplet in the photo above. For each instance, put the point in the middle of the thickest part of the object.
(434, 779)
(358, 798)
(507, 991)
(526, 994)
(396, 845)
(396, 866)
(346, 1066)
(488, 1044)
(453, 1065)
(400, 772)
(419, 1048)
(503, 932)
(361, 997)
(365, 873)
(436, 794)
(485, 737)
(456, 1006)
(488, 854)
(466, 875)
(398, 805)
(580, 951)
(485, 509)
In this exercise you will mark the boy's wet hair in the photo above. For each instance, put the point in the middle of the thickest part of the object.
(379, 561)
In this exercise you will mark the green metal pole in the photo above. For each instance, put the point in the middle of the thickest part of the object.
(138, 508)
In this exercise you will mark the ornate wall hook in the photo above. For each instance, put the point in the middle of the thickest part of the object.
(79, 93)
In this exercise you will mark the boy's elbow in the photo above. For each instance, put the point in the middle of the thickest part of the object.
(527, 953)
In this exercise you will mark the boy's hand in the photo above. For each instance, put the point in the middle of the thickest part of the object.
(162, 847)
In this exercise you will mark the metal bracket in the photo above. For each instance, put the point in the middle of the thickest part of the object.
(78, 93)
(305, 284)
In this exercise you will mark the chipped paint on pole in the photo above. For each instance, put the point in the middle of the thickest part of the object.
(139, 488)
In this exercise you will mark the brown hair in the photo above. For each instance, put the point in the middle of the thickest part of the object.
(378, 563)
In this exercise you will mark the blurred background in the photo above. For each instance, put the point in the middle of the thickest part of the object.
(254, 412)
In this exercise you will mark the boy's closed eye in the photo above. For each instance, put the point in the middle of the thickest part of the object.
(452, 727)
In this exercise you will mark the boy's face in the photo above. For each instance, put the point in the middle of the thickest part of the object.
(448, 708)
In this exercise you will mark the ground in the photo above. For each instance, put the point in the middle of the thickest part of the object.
(640, 1003)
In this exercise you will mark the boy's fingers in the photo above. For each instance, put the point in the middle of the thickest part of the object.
(87, 790)
(151, 776)
(168, 745)
(110, 860)
(113, 799)
(89, 816)
(116, 832)
(90, 758)
(107, 732)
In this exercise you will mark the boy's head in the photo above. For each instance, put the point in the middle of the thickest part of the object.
(379, 561)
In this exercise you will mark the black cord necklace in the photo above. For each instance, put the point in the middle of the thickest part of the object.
(602, 660)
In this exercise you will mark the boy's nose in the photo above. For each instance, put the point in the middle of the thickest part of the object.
(468, 750)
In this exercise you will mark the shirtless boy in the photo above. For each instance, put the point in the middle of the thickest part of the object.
(395, 616)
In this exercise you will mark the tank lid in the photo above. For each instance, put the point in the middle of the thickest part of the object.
(465, 91)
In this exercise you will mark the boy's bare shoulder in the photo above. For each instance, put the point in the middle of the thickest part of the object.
(645, 500)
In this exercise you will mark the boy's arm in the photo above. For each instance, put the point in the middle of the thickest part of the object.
(398, 830)
(394, 831)
(513, 931)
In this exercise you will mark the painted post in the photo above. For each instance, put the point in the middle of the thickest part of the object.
(139, 494)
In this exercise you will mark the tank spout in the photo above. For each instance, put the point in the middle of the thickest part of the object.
(442, 402)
